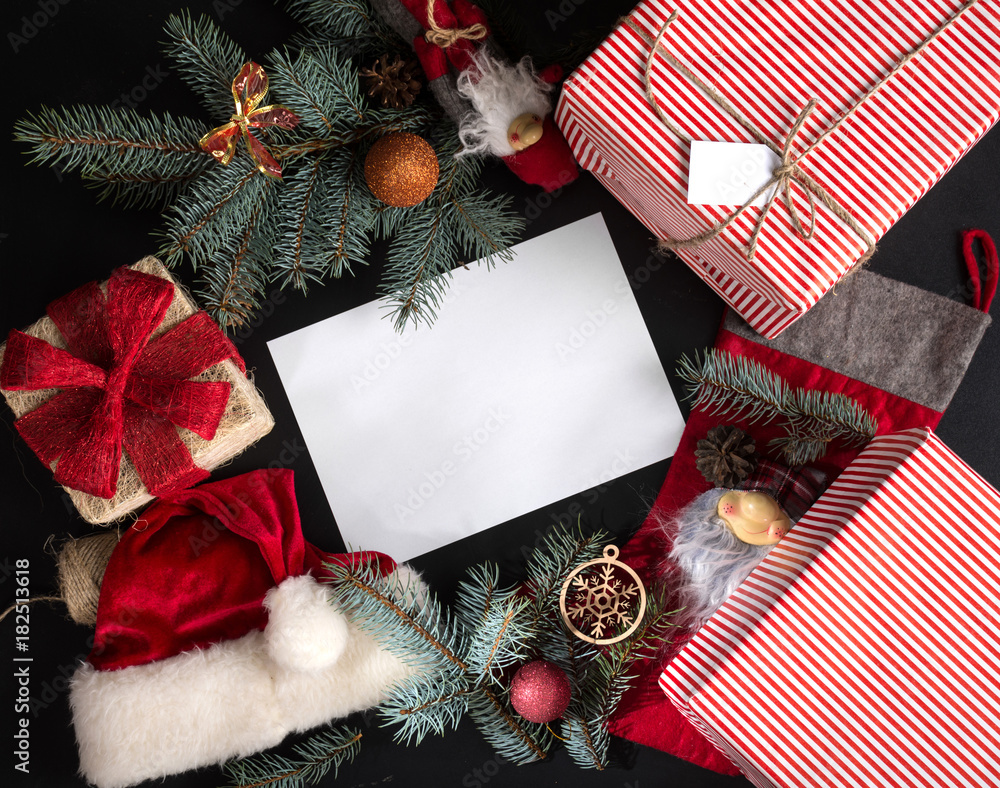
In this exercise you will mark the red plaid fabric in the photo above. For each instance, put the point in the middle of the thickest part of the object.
(794, 490)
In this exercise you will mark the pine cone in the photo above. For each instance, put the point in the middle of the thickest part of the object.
(394, 82)
(726, 457)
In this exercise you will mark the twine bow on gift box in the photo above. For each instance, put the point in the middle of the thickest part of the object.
(120, 388)
(789, 172)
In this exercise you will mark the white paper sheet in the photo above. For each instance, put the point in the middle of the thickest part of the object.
(538, 380)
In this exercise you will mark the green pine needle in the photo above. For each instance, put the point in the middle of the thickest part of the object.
(207, 60)
(313, 760)
(351, 25)
(135, 161)
(241, 230)
(740, 387)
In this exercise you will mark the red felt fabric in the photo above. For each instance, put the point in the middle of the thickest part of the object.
(118, 389)
(434, 60)
(645, 715)
(548, 163)
(194, 569)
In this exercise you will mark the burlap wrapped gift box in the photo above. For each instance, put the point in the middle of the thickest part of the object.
(244, 420)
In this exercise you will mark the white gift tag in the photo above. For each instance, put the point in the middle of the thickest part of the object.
(729, 173)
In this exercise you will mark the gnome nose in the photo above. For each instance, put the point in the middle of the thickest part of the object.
(758, 507)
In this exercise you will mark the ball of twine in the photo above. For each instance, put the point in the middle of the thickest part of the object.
(81, 564)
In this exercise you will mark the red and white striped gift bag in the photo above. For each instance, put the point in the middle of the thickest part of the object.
(768, 58)
(865, 649)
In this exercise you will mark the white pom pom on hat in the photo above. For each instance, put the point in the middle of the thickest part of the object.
(304, 630)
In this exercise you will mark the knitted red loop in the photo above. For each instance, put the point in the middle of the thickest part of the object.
(118, 389)
(982, 295)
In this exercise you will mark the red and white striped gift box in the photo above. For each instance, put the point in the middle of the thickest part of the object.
(768, 58)
(865, 649)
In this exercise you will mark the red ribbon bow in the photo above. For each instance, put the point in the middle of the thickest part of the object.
(119, 388)
(249, 89)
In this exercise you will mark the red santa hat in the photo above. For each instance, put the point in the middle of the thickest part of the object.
(215, 638)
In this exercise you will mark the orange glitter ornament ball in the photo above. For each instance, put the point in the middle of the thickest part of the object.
(401, 169)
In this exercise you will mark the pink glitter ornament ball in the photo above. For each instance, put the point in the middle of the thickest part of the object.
(540, 691)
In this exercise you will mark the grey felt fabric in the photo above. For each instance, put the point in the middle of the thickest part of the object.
(891, 335)
(395, 14)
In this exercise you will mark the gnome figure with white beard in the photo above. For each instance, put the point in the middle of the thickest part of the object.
(501, 108)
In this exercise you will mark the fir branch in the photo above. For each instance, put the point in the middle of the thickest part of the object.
(500, 634)
(136, 161)
(417, 631)
(416, 274)
(297, 201)
(233, 281)
(350, 25)
(610, 676)
(321, 86)
(315, 757)
(722, 383)
(139, 191)
(514, 739)
(453, 218)
(207, 60)
(219, 206)
(427, 703)
(347, 229)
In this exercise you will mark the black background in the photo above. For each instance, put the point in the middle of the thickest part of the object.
(54, 236)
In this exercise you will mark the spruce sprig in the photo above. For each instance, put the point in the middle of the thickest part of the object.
(610, 674)
(351, 25)
(241, 230)
(136, 161)
(313, 760)
(206, 60)
(720, 382)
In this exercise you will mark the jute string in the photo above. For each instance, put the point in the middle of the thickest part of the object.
(789, 171)
(80, 564)
(444, 38)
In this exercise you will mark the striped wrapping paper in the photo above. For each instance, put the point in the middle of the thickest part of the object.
(768, 58)
(865, 649)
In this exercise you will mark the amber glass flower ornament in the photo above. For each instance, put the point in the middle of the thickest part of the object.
(249, 89)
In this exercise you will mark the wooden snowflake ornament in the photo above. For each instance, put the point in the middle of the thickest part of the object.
(603, 597)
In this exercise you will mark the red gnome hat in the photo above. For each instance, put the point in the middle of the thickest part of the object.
(215, 638)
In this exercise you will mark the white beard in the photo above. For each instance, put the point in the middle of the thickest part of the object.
(498, 92)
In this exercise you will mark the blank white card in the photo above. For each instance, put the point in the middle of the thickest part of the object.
(537, 381)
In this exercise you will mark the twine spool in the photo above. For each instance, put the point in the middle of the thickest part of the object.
(81, 564)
